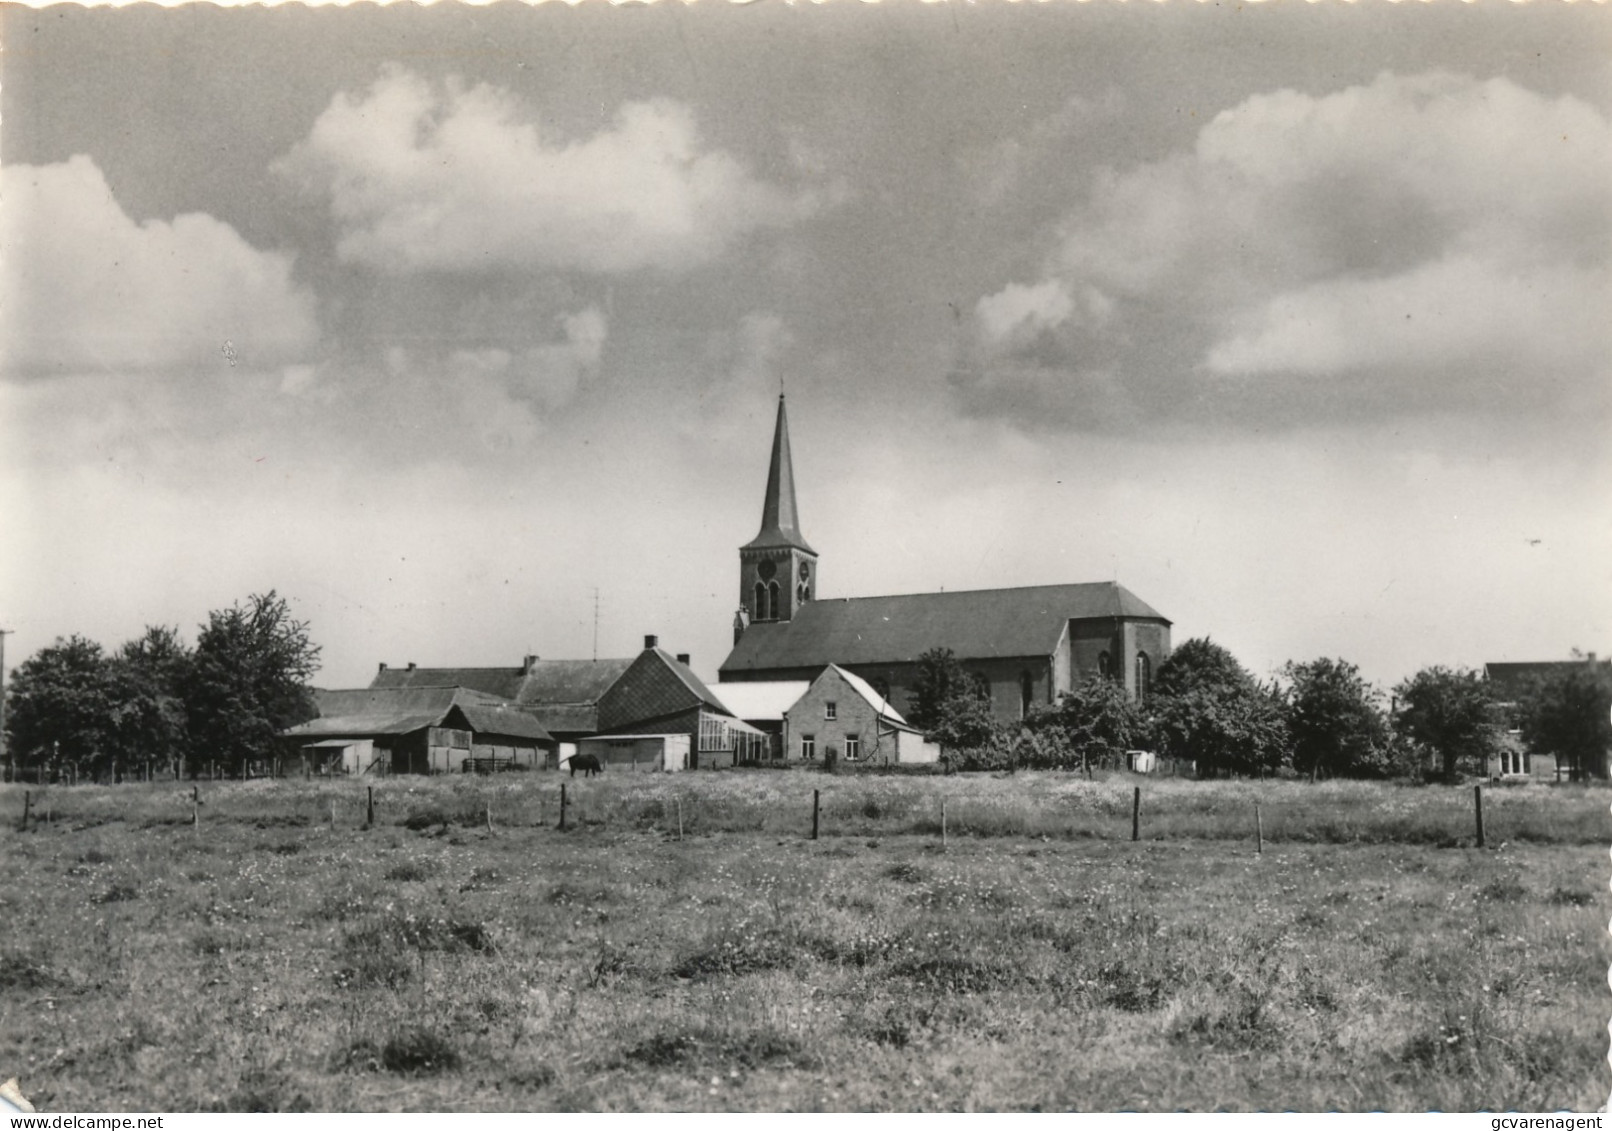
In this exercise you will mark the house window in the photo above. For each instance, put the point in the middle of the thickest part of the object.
(831, 710)
(1105, 665)
(772, 600)
(761, 601)
(1026, 693)
(808, 746)
(1144, 676)
(882, 686)
(853, 747)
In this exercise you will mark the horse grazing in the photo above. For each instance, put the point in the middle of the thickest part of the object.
(587, 763)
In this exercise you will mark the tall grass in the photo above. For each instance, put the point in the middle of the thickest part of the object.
(1028, 804)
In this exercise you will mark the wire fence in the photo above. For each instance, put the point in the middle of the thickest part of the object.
(1045, 805)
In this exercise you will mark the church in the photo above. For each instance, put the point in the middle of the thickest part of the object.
(1024, 645)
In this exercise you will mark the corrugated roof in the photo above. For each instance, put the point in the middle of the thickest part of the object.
(975, 624)
(762, 699)
(401, 710)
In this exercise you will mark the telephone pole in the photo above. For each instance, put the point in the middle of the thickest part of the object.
(596, 622)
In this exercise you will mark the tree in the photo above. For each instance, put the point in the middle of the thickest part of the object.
(147, 680)
(1206, 707)
(949, 704)
(1335, 721)
(1451, 713)
(1094, 721)
(248, 680)
(59, 707)
(1566, 713)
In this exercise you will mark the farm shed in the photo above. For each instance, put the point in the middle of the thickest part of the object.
(563, 695)
(842, 710)
(423, 730)
(638, 753)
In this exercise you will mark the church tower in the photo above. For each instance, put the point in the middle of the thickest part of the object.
(777, 569)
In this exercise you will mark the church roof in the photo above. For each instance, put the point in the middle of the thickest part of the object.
(780, 520)
(974, 624)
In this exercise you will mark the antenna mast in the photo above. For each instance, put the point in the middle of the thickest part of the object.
(595, 622)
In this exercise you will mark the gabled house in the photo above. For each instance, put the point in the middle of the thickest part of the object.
(841, 711)
(418, 730)
(660, 694)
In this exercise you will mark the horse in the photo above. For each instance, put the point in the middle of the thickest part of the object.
(587, 763)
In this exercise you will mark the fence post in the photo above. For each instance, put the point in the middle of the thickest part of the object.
(27, 804)
(562, 806)
(369, 809)
(1259, 830)
(1477, 808)
(679, 818)
(489, 816)
(1136, 814)
(195, 806)
(815, 798)
(943, 824)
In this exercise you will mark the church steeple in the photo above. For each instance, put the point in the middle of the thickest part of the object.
(776, 566)
(780, 520)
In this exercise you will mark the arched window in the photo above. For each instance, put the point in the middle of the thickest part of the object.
(800, 594)
(1105, 665)
(761, 602)
(772, 600)
(882, 686)
(1144, 676)
(1026, 693)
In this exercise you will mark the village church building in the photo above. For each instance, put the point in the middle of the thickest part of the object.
(1026, 645)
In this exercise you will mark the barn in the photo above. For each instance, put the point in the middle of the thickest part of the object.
(418, 730)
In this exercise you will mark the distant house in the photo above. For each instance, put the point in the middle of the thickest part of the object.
(762, 704)
(418, 730)
(1511, 682)
(842, 711)
(660, 694)
(563, 694)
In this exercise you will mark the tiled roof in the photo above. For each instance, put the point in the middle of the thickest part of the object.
(976, 624)
(546, 682)
(401, 710)
(1514, 676)
(654, 687)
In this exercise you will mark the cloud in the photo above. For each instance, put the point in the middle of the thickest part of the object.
(88, 289)
(457, 178)
(546, 376)
(1430, 243)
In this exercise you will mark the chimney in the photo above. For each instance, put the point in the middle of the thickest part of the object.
(682, 658)
(383, 665)
(528, 663)
(650, 642)
(411, 665)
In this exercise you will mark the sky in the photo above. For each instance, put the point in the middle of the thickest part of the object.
(463, 327)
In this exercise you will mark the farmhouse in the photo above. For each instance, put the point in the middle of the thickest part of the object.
(419, 730)
(841, 712)
(660, 694)
(1512, 682)
(562, 694)
(1024, 646)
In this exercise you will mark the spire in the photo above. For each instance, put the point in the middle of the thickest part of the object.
(780, 522)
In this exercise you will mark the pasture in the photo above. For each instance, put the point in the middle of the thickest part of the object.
(278, 956)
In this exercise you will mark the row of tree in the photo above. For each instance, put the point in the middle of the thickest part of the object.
(1317, 719)
(73, 709)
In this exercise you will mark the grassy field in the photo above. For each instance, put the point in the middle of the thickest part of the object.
(271, 958)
